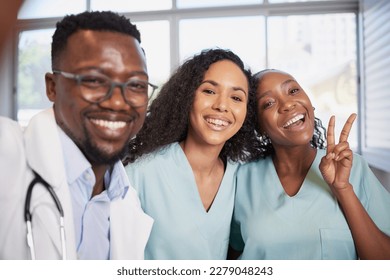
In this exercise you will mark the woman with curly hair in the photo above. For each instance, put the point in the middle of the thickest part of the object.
(184, 159)
(301, 201)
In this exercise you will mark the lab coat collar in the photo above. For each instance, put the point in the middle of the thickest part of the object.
(43, 148)
(44, 155)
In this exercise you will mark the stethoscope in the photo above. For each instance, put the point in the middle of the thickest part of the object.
(28, 216)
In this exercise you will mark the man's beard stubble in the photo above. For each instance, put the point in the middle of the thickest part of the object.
(93, 153)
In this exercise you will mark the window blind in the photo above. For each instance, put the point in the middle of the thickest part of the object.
(375, 102)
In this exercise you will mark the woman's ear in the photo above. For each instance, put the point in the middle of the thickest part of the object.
(50, 86)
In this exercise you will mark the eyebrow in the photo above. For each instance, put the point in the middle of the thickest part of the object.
(262, 95)
(102, 71)
(282, 85)
(214, 83)
(286, 82)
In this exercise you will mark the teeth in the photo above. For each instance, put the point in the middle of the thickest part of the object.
(217, 122)
(293, 120)
(109, 124)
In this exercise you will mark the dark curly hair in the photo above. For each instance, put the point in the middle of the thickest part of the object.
(98, 21)
(168, 116)
(264, 146)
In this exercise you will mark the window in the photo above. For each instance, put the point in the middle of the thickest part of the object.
(213, 3)
(284, 1)
(157, 59)
(33, 63)
(35, 9)
(130, 6)
(198, 34)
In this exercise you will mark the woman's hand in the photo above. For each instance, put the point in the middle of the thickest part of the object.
(370, 241)
(336, 166)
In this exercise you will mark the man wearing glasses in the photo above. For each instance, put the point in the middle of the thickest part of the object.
(62, 179)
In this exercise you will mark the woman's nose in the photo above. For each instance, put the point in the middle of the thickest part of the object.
(287, 105)
(221, 103)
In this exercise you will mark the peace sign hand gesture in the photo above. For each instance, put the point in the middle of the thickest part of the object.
(336, 166)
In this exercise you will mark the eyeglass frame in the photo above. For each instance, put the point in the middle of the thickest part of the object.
(113, 84)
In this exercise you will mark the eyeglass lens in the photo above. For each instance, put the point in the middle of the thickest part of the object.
(98, 88)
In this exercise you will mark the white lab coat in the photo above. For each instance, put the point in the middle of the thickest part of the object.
(39, 148)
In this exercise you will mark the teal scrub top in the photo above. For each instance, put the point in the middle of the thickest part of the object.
(168, 193)
(269, 224)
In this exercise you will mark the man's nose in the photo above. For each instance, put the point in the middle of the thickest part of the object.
(116, 98)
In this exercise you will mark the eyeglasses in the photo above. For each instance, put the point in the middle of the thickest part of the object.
(96, 88)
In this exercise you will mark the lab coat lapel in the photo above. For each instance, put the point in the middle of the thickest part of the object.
(129, 228)
(44, 156)
(43, 148)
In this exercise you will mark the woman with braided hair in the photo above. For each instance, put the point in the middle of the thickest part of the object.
(299, 200)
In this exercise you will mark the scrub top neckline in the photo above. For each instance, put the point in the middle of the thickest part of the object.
(222, 192)
(276, 198)
(279, 186)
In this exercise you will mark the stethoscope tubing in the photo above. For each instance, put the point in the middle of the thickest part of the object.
(28, 217)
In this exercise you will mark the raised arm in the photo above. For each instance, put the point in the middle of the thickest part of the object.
(370, 241)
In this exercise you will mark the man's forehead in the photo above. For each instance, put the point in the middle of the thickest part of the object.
(89, 43)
